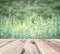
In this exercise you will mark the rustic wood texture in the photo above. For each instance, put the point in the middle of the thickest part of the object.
(29, 46)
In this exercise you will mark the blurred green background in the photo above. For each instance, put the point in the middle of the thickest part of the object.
(29, 19)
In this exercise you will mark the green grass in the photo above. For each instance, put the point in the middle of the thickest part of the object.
(30, 19)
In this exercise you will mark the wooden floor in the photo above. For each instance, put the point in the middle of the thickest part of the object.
(36, 46)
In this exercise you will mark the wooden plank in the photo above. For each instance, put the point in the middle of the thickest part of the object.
(55, 40)
(30, 48)
(45, 48)
(55, 45)
(19, 48)
(12, 48)
(5, 42)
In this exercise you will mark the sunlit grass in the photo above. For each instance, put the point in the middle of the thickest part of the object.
(30, 20)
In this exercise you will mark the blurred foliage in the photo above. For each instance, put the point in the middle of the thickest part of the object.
(30, 19)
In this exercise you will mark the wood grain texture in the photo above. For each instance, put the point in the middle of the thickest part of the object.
(30, 46)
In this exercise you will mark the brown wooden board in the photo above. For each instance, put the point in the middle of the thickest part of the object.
(30, 46)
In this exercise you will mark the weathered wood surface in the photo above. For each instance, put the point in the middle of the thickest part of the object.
(36, 46)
